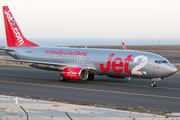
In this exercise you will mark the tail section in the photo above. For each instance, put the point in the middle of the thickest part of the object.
(123, 46)
(14, 36)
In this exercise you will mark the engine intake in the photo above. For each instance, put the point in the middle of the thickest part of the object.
(75, 73)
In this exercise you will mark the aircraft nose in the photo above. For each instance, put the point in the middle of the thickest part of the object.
(171, 69)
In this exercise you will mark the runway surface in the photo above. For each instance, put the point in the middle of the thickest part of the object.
(103, 90)
(173, 59)
(3, 53)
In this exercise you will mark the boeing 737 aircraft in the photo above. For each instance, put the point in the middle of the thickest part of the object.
(84, 63)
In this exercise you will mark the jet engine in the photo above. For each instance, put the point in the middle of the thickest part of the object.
(76, 73)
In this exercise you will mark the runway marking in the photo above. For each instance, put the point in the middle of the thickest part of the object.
(95, 90)
(97, 82)
(23, 68)
(29, 76)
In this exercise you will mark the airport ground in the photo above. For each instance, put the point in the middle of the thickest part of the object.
(163, 50)
(46, 110)
(102, 91)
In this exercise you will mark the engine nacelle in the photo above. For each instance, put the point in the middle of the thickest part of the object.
(76, 73)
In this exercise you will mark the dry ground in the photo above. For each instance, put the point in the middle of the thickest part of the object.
(163, 50)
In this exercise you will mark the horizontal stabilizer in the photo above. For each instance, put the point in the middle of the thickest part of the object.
(6, 49)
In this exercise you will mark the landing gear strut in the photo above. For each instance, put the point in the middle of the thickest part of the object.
(61, 78)
(153, 84)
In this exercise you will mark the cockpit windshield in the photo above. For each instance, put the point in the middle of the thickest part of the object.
(160, 61)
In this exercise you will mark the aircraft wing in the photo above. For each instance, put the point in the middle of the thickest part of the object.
(6, 49)
(123, 46)
(59, 66)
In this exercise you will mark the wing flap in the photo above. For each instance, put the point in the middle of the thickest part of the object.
(123, 46)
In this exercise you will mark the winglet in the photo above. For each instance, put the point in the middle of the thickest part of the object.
(14, 36)
(123, 46)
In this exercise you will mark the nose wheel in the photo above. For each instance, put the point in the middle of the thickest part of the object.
(153, 84)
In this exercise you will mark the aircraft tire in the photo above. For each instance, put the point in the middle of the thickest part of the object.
(61, 78)
(153, 84)
(90, 77)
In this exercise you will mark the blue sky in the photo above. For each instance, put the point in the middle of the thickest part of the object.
(157, 19)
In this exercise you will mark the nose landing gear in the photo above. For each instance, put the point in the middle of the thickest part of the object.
(154, 80)
(153, 84)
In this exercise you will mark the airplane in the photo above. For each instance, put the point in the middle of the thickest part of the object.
(83, 63)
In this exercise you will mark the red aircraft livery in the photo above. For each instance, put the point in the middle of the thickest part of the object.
(61, 52)
(118, 62)
(83, 63)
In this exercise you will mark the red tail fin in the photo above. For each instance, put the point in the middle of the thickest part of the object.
(123, 46)
(13, 34)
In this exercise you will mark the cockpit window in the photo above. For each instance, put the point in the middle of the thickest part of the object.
(164, 61)
(160, 61)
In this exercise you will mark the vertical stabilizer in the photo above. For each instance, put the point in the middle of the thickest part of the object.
(14, 36)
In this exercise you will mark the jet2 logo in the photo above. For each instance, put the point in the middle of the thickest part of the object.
(12, 23)
(118, 62)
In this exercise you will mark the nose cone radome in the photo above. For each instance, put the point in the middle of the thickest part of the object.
(171, 69)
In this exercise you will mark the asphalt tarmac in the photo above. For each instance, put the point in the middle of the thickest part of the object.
(3, 53)
(173, 59)
(103, 90)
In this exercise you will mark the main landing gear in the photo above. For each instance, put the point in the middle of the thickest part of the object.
(61, 78)
(90, 77)
(153, 84)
